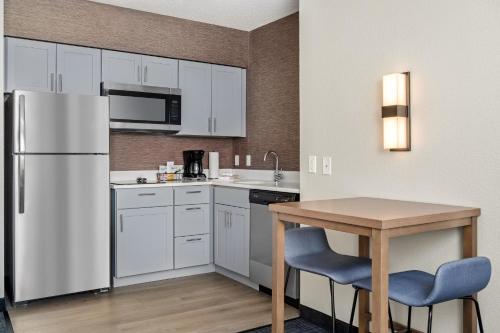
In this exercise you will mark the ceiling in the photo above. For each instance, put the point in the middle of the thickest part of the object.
(239, 14)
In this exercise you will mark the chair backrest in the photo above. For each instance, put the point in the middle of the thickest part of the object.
(302, 241)
(460, 278)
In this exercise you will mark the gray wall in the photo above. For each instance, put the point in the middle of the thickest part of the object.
(451, 48)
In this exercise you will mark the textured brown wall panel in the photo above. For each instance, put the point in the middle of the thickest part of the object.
(273, 95)
(272, 77)
(104, 26)
(146, 152)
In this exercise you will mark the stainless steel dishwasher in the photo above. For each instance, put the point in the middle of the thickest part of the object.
(261, 242)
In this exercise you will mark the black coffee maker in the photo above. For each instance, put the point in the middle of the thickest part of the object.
(193, 164)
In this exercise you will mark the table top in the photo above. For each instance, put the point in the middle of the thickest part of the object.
(375, 212)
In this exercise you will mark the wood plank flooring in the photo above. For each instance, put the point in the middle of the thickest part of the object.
(203, 303)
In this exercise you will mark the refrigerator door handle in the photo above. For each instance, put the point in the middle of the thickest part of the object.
(22, 170)
(22, 124)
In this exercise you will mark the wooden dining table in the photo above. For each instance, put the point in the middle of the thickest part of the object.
(375, 221)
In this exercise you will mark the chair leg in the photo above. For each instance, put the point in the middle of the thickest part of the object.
(408, 323)
(332, 294)
(429, 320)
(478, 312)
(390, 319)
(287, 277)
(353, 310)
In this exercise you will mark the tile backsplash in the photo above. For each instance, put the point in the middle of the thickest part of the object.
(130, 151)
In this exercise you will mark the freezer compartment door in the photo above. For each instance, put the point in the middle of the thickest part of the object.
(59, 123)
(61, 225)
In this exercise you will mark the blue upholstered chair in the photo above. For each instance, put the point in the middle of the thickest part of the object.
(454, 280)
(307, 249)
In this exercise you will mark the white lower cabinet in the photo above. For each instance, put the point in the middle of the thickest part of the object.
(144, 241)
(232, 238)
(192, 220)
(192, 251)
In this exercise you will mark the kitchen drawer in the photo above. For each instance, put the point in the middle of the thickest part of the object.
(190, 195)
(192, 220)
(144, 197)
(192, 251)
(235, 197)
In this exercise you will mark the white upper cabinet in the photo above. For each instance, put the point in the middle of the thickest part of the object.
(30, 65)
(78, 70)
(160, 72)
(195, 81)
(228, 111)
(121, 67)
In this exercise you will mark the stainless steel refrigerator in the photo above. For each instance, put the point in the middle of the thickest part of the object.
(57, 176)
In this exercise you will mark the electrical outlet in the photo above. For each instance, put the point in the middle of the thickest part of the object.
(236, 160)
(249, 160)
(327, 165)
(312, 163)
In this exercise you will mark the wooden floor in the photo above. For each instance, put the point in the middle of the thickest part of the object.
(202, 303)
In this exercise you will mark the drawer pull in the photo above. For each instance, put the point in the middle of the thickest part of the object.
(146, 194)
(193, 192)
(193, 239)
(193, 208)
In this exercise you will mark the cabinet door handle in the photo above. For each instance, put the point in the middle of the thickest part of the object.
(193, 239)
(145, 73)
(146, 194)
(215, 125)
(52, 75)
(230, 220)
(121, 223)
(193, 208)
(60, 82)
(193, 192)
(139, 73)
(209, 124)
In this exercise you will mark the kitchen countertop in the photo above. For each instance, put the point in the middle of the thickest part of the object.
(242, 183)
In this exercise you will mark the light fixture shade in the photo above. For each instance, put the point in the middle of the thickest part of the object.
(395, 133)
(394, 87)
(396, 111)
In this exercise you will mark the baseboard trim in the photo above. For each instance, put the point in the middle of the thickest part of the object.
(323, 320)
(171, 274)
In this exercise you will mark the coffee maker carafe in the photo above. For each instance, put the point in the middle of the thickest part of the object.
(193, 164)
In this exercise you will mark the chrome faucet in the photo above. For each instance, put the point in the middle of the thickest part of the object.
(278, 175)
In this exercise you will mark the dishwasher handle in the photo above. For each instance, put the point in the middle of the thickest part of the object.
(261, 197)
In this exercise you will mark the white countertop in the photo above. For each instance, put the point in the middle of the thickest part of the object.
(242, 183)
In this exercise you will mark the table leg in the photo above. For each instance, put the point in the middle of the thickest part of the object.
(469, 250)
(278, 275)
(380, 283)
(364, 298)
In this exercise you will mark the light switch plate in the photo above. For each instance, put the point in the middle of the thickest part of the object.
(327, 165)
(312, 164)
(249, 160)
(236, 160)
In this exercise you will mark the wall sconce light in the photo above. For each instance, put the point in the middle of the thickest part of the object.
(396, 111)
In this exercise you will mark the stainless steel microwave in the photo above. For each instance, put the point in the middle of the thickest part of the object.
(140, 108)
